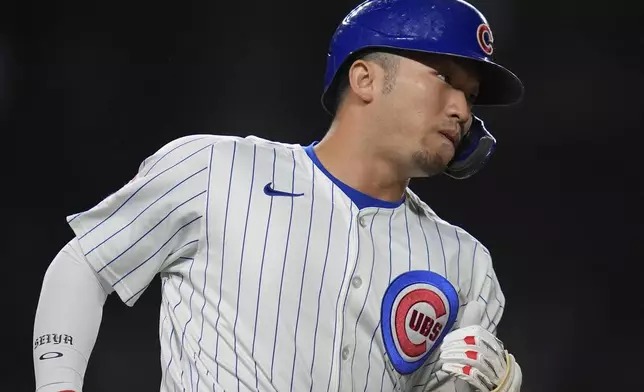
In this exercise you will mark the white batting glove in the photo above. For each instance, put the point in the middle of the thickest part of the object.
(475, 355)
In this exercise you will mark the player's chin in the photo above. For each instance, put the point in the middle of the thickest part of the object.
(447, 152)
(431, 164)
(442, 149)
(444, 153)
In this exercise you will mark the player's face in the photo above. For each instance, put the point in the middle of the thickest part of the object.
(429, 109)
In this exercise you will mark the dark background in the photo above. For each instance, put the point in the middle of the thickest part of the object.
(89, 89)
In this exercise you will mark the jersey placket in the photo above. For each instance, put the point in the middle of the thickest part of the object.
(355, 292)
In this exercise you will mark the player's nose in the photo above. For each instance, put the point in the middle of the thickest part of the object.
(458, 108)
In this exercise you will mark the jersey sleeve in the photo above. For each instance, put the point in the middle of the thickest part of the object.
(144, 226)
(488, 292)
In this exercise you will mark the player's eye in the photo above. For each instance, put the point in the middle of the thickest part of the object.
(444, 78)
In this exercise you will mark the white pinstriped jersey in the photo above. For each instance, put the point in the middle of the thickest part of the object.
(274, 292)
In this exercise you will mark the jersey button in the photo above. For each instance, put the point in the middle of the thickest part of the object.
(356, 282)
(363, 223)
(345, 352)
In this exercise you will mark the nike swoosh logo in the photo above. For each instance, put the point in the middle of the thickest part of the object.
(272, 192)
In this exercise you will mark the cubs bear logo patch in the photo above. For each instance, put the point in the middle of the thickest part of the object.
(418, 309)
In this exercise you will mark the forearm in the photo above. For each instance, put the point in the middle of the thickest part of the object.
(67, 321)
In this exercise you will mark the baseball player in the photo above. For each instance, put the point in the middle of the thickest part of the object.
(309, 268)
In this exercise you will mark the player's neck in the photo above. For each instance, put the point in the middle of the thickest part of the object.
(345, 154)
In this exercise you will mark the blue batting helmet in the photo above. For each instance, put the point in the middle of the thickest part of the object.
(446, 27)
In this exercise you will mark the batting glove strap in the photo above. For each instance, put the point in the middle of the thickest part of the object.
(511, 381)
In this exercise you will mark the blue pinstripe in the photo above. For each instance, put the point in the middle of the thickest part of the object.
(157, 251)
(164, 280)
(493, 289)
(183, 246)
(137, 293)
(174, 309)
(458, 263)
(288, 238)
(223, 252)
(205, 272)
(337, 301)
(241, 262)
(135, 192)
(426, 365)
(472, 273)
(408, 238)
(190, 368)
(261, 272)
(145, 209)
(306, 254)
(384, 370)
(344, 305)
(165, 375)
(373, 336)
(495, 292)
(442, 247)
(420, 223)
(373, 263)
(149, 231)
(400, 378)
(485, 310)
(167, 153)
(326, 258)
(183, 333)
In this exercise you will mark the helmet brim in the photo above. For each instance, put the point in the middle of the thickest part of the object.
(498, 85)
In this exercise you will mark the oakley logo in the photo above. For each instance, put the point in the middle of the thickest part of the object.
(51, 355)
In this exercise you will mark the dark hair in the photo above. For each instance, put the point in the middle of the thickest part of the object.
(386, 60)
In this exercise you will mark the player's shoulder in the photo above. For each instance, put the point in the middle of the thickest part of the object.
(268, 143)
(427, 213)
(194, 147)
(194, 142)
(269, 147)
(201, 140)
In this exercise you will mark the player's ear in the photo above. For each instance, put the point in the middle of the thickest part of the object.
(362, 76)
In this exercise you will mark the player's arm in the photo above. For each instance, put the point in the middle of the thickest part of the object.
(67, 321)
(472, 352)
(126, 239)
(487, 293)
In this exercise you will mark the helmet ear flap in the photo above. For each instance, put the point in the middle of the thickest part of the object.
(472, 154)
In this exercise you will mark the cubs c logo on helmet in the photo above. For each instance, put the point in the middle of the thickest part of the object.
(485, 38)
(418, 309)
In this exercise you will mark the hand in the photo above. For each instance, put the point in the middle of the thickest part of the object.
(476, 356)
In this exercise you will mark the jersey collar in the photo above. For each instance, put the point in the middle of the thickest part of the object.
(361, 200)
